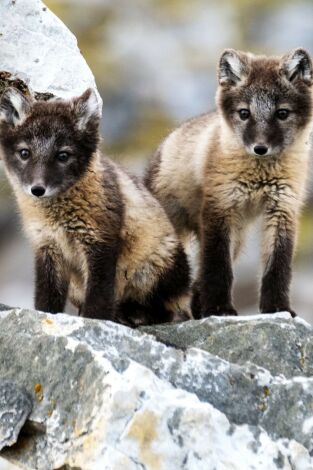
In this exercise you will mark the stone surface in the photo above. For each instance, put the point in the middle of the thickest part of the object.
(108, 397)
(37, 48)
(5, 465)
(15, 407)
(282, 346)
(4, 307)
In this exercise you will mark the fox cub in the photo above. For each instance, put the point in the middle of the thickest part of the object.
(219, 171)
(99, 236)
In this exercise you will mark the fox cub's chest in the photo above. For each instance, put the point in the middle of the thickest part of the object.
(260, 190)
(67, 235)
(252, 190)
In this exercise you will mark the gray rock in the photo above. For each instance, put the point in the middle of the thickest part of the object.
(4, 307)
(107, 397)
(283, 346)
(15, 407)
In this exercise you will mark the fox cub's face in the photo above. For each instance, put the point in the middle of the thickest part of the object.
(266, 101)
(47, 146)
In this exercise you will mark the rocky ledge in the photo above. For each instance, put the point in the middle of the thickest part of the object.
(218, 393)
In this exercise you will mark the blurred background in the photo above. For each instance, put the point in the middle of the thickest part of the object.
(154, 63)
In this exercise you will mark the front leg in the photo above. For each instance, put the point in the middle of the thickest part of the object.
(100, 300)
(278, 248)
(216, 275)
(51, 279)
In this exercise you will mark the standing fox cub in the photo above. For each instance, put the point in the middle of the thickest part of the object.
(219, 171)
(99, 236)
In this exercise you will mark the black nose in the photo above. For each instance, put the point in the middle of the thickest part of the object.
(38, 191)
(260, 149)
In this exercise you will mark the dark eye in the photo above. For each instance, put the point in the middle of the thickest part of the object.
(244, 114)
(282, 114)
(63, 156)
(24, 154)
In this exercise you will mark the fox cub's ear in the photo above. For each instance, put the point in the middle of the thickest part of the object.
(297, 65)
(233, 67)
(14, 106)
(86, 108)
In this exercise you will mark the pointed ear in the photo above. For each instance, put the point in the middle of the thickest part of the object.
(14, 106)
(86, 108)
(297, 65)
(233, 67)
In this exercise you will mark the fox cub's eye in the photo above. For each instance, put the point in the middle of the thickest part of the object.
(63, 156)
(24, 154)
(244, 114)
(282, 114)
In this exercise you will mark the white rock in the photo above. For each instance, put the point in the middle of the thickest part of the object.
(4, 465)
(36, 47)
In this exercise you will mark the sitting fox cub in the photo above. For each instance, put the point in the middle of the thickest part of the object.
(99, 235)
(219, 171)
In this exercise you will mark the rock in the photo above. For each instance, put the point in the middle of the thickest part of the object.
(4, 307)
(5, 465)
(15, 407)
(108, 397)
(37, 48)
(288, 343)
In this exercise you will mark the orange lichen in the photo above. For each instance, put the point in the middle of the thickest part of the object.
(144, 430)
(38, 391)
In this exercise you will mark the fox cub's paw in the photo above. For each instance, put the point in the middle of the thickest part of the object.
(270, 310)
(220, 311)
